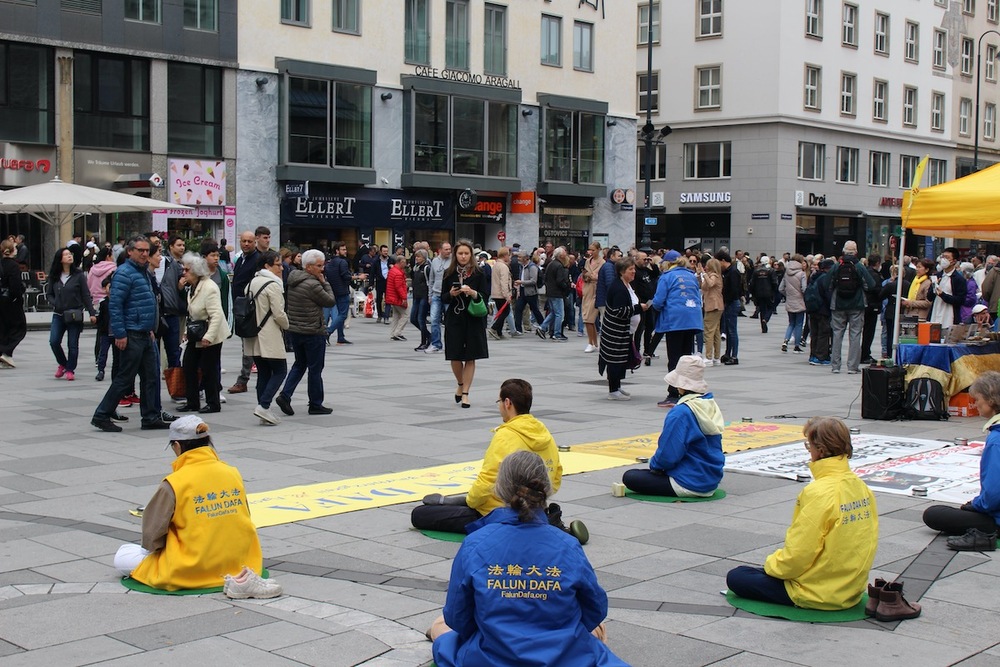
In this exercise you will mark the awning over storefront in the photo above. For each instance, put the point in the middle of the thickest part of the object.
(327, 205)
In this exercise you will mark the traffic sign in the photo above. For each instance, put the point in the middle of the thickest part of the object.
(501, 236)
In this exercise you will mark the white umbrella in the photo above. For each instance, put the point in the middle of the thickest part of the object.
(55, 201)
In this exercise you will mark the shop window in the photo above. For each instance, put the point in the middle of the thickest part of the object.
(194, 109)
(111, 101)
(708, 160)
(416, 18)
(329, 123)
(574, 146)
(460, 135)
(27, 93)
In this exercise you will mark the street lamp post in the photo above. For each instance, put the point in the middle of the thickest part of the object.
(647, 129)
(979, 57)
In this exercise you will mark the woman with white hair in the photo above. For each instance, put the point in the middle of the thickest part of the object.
(972, 290)
(205, 333)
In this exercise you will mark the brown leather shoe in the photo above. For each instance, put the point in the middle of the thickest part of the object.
(892, 606)
(873, 596)
(238, 388)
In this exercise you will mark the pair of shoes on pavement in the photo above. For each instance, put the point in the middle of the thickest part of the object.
(576, 528)
(249, 584)
(973, 540)
(886, 602)
(618, 396)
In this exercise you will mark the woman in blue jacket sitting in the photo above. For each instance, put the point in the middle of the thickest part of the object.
(688, 460)
(975, 523)
(521, 591)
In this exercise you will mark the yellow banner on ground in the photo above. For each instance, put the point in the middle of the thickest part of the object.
(298, 503)
(311, 501)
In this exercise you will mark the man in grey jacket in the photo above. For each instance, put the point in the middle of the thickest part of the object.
(438, 266)
(308, 295)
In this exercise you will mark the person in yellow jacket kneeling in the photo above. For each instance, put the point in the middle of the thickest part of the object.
(197, 527)
(830, 546)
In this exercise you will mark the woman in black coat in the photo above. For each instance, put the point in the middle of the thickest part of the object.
(12, 322)
(67, 292)
(464, 334)
(622, 312)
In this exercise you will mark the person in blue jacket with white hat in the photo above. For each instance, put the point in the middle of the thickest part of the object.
(522, 592)
(688, 461)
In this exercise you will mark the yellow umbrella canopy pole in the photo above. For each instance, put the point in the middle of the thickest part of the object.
(909, 197)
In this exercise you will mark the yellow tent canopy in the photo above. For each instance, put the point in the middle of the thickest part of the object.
(968, 207)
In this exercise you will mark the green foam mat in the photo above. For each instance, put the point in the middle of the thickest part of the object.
(718, 495)
(139, 587)
(443, 535)
(855, 613)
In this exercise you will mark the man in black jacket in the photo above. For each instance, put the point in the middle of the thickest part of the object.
(644, 286)
(949, 291)
(380, 268)
(252, 246)
(174, 303)
(338, 274)
(732, 291)
(873, 306)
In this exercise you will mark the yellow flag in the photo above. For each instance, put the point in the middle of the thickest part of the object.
(919, 173)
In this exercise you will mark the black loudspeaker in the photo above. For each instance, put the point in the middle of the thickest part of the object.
(882, 392)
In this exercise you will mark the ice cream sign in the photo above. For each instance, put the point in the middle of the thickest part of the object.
(197, 182)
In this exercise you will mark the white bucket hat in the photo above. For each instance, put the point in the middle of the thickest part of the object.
(689, 375)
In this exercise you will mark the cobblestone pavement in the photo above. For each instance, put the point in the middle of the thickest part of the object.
(362, 587)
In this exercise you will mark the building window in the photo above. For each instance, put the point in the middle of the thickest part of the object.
(712, 159)
(467, 136)
(416, 18)
(86, 6)
(878, 169)
(990, 66)
(849, 33)
(658, 164)
(495, 40)
(329, 123)
(456, 29)
(937, 112)
(937, 171)
(968, 55)
(574, 146)
(111, 101)
(811, 94)
(989, 121)
(911, 44)
(201, 14)
(551, 40)
(940, 46)
(644, 23)
(812, 160)
(709, 18)
(147, 11)
(880, 92)
(583, 46)
(814, 18)
(347, 16)
(847, 164)
(710, 87)
(992, 13)
(907, 168)
(27, 93)
(848, 93)
(194, 109)
(649, 89)
(909, 106)
(297, 11)
(964, 114)
(969, 7)
(881, 33)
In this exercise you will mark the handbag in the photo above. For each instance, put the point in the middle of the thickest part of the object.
(196, 330)
(174, 377)
(477, 308)
(73, 316)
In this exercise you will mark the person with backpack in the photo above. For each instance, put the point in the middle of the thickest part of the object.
(817, 299)
(267, 348)
(848, 283)
(762, 290)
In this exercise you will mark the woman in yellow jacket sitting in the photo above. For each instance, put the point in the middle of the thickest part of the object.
(830, 546)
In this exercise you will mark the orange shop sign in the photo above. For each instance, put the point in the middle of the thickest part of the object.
(522, 202)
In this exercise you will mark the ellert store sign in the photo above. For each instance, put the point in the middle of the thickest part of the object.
(367, 207)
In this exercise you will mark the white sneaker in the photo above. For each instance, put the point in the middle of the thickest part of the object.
(432, 350)
(625, 393)
(222, 398)
(618, 396)
(248, 584)
(266, 415)
(590, 348)
(6, 360)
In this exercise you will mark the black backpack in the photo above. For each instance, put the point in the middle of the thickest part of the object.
(847, 280)
(813, 297)
(245, 314)
(925, 400)
(540, 280)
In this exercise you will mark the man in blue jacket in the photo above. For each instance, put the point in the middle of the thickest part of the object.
(678, 304)
(253, 246)
(134, 319)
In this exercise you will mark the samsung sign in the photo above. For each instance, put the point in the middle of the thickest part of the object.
(706, 197)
